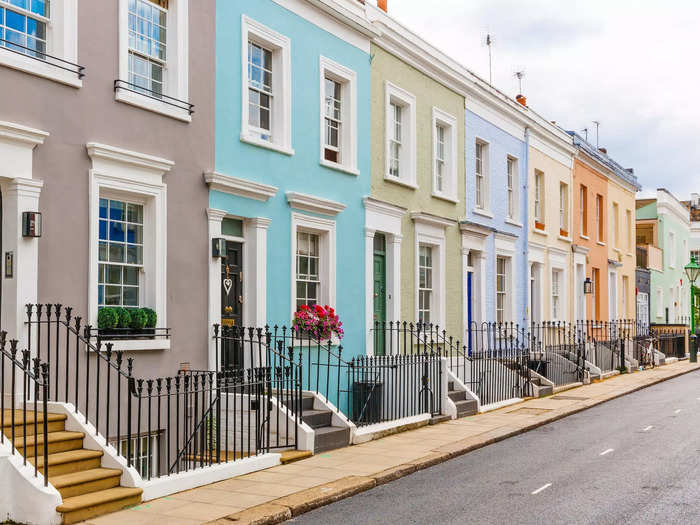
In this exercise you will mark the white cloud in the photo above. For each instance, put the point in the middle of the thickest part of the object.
(628, 64)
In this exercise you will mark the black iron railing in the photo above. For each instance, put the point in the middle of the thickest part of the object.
(558, 352)
(16, 367)
(43, 57)
(155, 95)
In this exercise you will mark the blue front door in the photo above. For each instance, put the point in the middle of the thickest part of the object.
(469, 312)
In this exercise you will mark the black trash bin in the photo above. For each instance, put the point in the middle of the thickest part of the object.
(366, 402)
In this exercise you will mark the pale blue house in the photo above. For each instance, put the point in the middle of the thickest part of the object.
(292, 163)
(494, 233)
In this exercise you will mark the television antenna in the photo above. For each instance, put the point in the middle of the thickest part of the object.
(597, 127)
(585, 132)
(519, 75)
(489, 43)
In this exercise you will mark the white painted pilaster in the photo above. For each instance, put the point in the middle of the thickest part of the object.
(369, 291)
(214, 218)
(256, 295)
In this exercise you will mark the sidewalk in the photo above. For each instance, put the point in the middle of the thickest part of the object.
(278, 493)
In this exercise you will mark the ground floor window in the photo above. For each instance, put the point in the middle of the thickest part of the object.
(307, 269)
(501, 287)
(556, 295)
(143, 452)
(425, 282)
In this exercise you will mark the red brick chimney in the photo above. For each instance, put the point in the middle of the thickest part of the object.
(381, 4)
(522, 99)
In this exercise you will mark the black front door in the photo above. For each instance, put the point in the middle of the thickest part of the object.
(232, 304)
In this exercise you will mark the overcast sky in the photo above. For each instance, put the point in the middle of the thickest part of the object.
(632, 65)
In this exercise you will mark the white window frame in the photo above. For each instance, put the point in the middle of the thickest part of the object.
(176, 69)
(583, 212)
(135, 177)
(512, 188)
(671, 249)
(506, 248)
(449, 124)
(564, 207)
(61, 42)
(485, 191)
(431, 289)
(347, 78)
(628, 224)
(659, 301)
(599, 219)
(538, 200)
(281, 113)
(326, 230)
(615, 226)
(407, 101)
(625, 292)
(428, 232)
(150, 454)
(560, 295)
(507, 314)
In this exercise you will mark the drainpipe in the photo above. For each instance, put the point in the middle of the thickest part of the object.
(526, 226)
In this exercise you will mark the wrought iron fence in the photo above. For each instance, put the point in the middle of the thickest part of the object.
(16, 366)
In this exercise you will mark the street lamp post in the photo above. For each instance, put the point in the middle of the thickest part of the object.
(692, 271)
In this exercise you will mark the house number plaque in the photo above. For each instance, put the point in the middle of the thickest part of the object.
(9, 265)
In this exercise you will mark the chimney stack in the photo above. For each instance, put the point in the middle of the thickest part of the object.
(381, 4)
(521, 99)
(603, 150)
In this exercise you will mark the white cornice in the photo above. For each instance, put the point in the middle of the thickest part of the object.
(476, 229)
(240, 187)
(10, 131)
(384, 208)
(349, 13)
(215, 215)
(301, 201)
(431, 220)
(98, 151)
(667, 202)
(578, 248)
(601, 168)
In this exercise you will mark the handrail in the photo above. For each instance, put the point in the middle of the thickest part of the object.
(80, 69)
(135, 88)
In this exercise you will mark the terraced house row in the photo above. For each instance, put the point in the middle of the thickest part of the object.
(295, 211)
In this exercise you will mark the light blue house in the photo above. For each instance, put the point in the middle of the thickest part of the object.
(494, 233)
(292, 164)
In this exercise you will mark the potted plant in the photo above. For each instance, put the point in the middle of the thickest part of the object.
(138, 321)
(319, 322)
(124, 319)
(539, 225)
(107, 321)
(151, 321)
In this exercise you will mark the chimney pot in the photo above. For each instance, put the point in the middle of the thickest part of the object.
(603, 150)
(381, 4)
(521, 99)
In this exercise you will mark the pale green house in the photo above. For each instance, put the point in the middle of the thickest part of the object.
(663, 233)
(413, 238)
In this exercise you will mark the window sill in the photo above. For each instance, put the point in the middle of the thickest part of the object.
(543, 233)
(565, 239)
(400, 182)
(599, 243)
(137, 345)
(339, 167)
(150, 104)
(483, 213)
(253, 141)
(513, 223)
(39, 68)
(444, 197)
(585, 237)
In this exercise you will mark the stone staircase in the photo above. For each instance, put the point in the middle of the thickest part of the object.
(326, 436)
(87, 489)
(465, 407)
(540, 388)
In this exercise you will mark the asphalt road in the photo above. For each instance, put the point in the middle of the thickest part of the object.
(632, 460)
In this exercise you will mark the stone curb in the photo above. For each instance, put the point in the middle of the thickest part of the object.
(283, 509)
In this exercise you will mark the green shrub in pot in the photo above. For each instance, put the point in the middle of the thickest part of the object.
(124, 318)
(151, 317)
(107, 318)
(138, 318)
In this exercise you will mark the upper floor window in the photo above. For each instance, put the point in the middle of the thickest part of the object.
(563, 209)
(600, 231)
(266, 101)
(40, 37)
(501, 289)
(400, 136)
(153, 56)
(512, 188)
(444, 155)
(147, 46)
(628, 230)
(539, 199)
(583, 210)
(671, 249)
(338, 117)
(481, 175)
(260, 95)
(23, 25)
(308, 269)
(616, 225)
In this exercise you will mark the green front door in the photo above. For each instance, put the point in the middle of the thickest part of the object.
(379, 293)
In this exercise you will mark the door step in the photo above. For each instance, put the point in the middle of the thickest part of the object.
(85, 506)
(86, 481)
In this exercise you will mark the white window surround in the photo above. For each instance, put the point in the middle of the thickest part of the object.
(176, 72)
(62, 42)
(326, 230)
(449, 123)
(486, 178)
(304, 202)
(557, 286)
(408, 174)
(281, 115)
(240, 187)
(671, 249)
(347, 78)
(515, 188)
(559, 261)
(505, 246)
(430, 231)
(138, 177)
